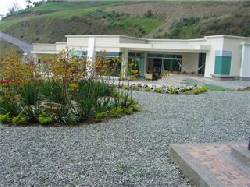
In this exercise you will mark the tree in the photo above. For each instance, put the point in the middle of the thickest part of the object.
(38, 3)
(29, 3)
(13, 10)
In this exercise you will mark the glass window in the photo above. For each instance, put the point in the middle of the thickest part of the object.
(108, 55)
(136, 64)
(78, 53)
(170, 62)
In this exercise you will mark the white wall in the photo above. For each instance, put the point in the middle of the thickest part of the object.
(216, 43)
(77, 41)
(245, 65)
(190, 62)
(225, 43)
(44, 48)
(103, 43)
(61, 46)
(190, 49)
(107, 42)
(234, 45)
(181, 46)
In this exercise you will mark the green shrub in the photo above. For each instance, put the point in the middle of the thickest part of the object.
(116, 112)
(68, 115)
(125, 87)
(147, 89)
(51, 91)
(20, 119)
(129, 110)
(100, 116)
(159, 90)
(5, 118)
(199, 90)
(88, 94)
(135, 106)
(45, 120)
(8, 104)
(29, 94)
(173, 90)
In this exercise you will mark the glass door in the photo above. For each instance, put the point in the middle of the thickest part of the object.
(137, 59)
(172, 64)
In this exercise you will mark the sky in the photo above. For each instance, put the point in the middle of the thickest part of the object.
(5, 5)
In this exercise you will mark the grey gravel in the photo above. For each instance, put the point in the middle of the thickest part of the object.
(130, 151)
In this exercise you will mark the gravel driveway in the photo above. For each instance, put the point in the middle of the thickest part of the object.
(130, 151)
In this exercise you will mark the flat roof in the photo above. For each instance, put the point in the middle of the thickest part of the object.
(227, 36)
(158, 40)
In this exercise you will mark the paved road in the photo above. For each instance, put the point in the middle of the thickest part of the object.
(24, 46)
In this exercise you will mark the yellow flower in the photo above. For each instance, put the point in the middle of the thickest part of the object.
(17, 97)
(73, 87)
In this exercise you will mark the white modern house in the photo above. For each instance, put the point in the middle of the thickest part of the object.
(219, 56)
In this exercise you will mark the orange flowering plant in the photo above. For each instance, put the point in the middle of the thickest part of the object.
(107, 66)
(54, 90)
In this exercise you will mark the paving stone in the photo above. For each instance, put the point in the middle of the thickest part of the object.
(241, 153)
(211, 164)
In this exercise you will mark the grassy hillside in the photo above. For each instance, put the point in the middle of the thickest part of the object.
(7, 48)
(49, 22)
(234, 24)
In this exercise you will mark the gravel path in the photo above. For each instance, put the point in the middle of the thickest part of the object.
(131, 151)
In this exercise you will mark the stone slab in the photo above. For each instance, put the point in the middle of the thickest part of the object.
(210, 165)
(241, 153)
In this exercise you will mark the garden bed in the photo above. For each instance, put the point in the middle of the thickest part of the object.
(188, 90)
(58, 93)
(47, 103)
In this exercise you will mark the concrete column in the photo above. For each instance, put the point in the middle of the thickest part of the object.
(124, 64)
(91, 58)
(209, 64)
(145, 62)
(245, 62)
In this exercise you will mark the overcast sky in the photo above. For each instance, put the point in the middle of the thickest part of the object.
(5, 5)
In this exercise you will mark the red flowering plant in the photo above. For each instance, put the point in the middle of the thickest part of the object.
(6, 81)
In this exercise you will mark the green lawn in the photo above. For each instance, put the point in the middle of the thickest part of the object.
(143, 23)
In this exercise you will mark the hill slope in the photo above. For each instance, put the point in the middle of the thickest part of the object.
(49, 22)
(7, 49)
